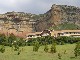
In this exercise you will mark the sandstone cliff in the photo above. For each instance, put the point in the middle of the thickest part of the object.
(60, 14)
(24, 23)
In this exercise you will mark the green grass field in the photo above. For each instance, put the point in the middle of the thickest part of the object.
(28, 54)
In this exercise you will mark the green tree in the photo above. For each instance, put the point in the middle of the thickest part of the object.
(21, 42)
(2, 49)
(16, 47)
(77, 50)
(19, 52)
(46, 48)
(53, 48)
(62, 43)
(2, 38)
(11, 39)
(59, 55)
(36, 46)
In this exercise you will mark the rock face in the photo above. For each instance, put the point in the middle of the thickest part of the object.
(17, 20)
(59, 14)
(26, 22)
(19, 23)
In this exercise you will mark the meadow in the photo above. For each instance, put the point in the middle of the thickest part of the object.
(28, 54)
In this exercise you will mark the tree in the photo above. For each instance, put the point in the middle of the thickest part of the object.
(62, 43)
(16, 47)
(19, 52)
(46, 48)
(2, 38)
(53, 48)
(2, 49)
(36, 46)
(59, 55)
(21, 42)
(11, 39)
(77, 50)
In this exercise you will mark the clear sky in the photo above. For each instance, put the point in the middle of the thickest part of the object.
(33, 6)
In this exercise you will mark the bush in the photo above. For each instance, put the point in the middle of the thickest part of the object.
(41, 40)
(2, 49)
(16, 47)
(77, 50)
(62, 43)
(59, 55)
(3, 39)
(21, 42)
(53, 48)
(65, 39)
(64, 51)
(19, 52)
(36, 46)
(46, 48)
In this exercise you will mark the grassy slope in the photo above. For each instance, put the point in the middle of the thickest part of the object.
(65, 26)
(28, 54)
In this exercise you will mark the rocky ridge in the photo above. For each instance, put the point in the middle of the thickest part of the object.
(26, 22)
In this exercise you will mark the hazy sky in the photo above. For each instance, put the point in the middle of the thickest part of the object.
(33, 6)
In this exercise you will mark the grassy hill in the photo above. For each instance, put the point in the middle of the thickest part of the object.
(65, 26)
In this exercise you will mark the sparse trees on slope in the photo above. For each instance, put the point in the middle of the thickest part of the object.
(36, 46)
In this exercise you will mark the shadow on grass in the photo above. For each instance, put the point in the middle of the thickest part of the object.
(72, 57)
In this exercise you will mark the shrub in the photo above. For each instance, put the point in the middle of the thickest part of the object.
(64, 51)
(3, 39)
(21, 42)
(62, 43)
(19, 52)
(77, 50)
(36, 46)
(53, 48)
(59, 55)
(46, 48)
(16, 48)
(2, 49)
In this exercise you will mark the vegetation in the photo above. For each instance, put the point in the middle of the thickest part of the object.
(11, 40)
(65, 26)
(29, 54)
(19, 52)
(46, 48)
(16, 47)
(41, 40)
(77, 50)
(36, 46)
(59, 55)
(53, 48)
(61, 46)
(49, 40)
(2, 49)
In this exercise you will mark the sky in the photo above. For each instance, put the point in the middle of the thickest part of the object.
(33, 6)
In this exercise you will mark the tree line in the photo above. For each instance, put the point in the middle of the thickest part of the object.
(16, 42)
(49, 40)
(11, 40)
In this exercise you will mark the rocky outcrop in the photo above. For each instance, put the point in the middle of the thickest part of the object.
(27, 22)
(18, 20)
(59, 14)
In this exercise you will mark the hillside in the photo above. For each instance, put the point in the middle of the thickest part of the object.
(65, 26)
(58, 15)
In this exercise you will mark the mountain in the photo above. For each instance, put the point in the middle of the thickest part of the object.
(58, 17)
(60, 14)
